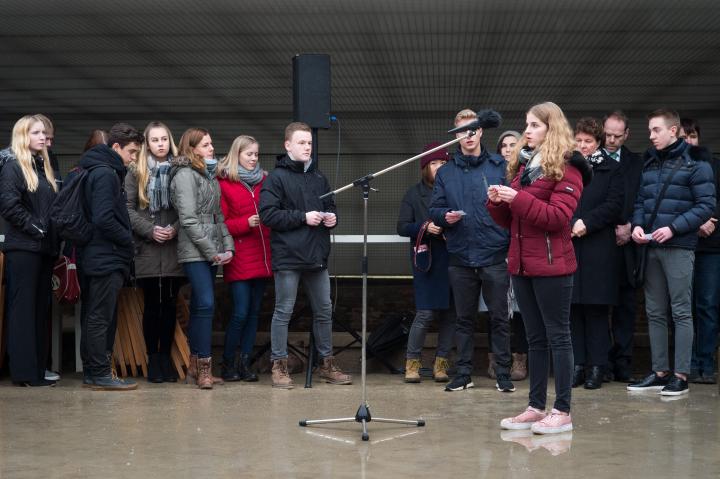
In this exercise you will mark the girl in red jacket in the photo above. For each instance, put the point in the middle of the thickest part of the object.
(547, 179)
(240, 181)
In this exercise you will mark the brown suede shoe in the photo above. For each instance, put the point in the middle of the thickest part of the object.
(280, 376)
(440, 370)
(412, 370)
(491, 366)
(191, 376)
(331, 373)
(204, 378)
(518, 370)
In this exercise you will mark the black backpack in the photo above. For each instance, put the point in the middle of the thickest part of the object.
(68, 213)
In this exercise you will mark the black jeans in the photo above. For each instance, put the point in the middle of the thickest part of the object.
(100, 322)
(159, 313)
(623, 321)
(28, 291)
(518, 338)
(466, 284)
(590, 336)
(545, 305)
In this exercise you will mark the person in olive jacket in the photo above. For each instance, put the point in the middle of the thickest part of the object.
(155, 225)
(300, 221)
(104, 261)
(430, 271)
(27, 190)
(204, 242)
(597, 279)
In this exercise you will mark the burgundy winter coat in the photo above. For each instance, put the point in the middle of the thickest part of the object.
(539, 221)
(252, 245)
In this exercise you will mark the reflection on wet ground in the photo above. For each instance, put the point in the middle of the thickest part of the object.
(251, 430)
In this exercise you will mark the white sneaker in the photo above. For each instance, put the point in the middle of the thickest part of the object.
(51, 375)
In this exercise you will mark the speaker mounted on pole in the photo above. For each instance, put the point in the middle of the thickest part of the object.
(311, 90)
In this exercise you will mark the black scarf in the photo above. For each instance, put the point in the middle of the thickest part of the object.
(530, 173)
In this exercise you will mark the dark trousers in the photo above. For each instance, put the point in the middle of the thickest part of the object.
(706, 289)
(247, 299)
(28, 288)
(590, 337)
(159, 313)
(518, 338)
(466, 284)
(201, 275)
(100, 323)
(84, 291)
(623, 321)
(545, 305)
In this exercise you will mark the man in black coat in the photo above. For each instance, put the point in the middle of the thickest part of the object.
(105, 260)
(623, 317)
(300, 221)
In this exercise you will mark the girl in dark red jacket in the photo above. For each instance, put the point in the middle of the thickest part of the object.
(240, 181)
(547, 179)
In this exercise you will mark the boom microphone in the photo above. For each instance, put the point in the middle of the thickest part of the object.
(485, 119)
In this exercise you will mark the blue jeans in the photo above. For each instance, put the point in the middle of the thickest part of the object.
(707, 301)
(201, 275)
(247, 298)
(317, 289)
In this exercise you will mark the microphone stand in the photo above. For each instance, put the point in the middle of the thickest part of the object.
(363, 413)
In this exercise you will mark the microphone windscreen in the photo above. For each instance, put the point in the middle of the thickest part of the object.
(488, 118)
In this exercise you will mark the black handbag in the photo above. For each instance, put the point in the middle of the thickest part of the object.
(643, 249)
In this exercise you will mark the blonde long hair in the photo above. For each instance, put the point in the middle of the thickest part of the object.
(20, 146)
(142, 171)
(558, 144)
(228, 167)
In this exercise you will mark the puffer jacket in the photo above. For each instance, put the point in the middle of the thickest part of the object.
(539, 221)
(110, 248)
(689, 200)
(287, 194)
(476, 240)
(152, 259)
(196, 196)
(252, 245)
(25, 212)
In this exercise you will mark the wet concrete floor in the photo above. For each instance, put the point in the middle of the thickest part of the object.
(250, 430)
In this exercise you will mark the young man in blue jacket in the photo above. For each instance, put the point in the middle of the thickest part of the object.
(671, 237)
(105, 260)
(478, 251)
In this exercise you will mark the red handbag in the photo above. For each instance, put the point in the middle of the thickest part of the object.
(65, 283)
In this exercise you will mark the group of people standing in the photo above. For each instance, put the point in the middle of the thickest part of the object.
(171, 214)
(562, 215)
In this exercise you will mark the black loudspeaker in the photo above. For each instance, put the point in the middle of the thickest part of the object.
(311, 90)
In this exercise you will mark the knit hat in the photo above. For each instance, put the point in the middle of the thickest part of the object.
(506, 134)
(437, 155)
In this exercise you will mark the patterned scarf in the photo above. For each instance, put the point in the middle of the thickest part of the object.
(158, 187)
(531, 173)
(596, 158)
(211, 166)
(251, 177)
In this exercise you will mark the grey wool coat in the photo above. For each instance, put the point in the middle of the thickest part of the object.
(152, 259)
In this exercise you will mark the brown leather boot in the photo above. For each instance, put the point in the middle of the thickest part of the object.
(204, 378)
(440, 370)
(518, 371)
(280, 376)
(491, 366)
(412, 370)
(192, 373)
(331, 373)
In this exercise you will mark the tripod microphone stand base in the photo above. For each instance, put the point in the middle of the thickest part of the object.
(363, 417)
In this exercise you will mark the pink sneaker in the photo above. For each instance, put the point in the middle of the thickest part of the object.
(553, 423)
(523, 420)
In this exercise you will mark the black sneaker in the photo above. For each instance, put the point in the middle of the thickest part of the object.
(676, 387)
(459, 383)
(503, 384)
(651, 383)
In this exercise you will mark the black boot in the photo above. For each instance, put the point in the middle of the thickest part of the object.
(169, 374)
(246, 373)
(229, 370)
(154, 369)
(578, 375)
(595, 378)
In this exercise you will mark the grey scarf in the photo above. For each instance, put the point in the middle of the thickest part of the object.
(251, 177)
(531, 173)
(158, 187)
